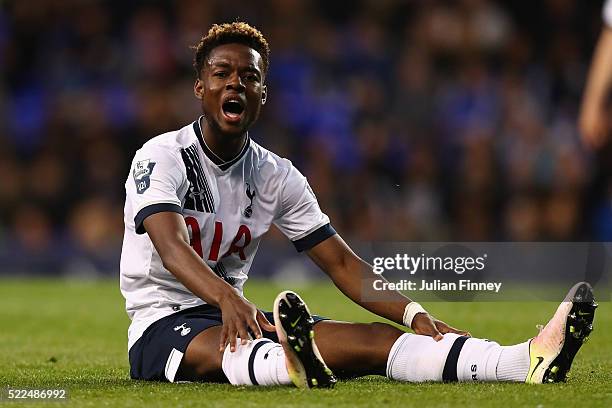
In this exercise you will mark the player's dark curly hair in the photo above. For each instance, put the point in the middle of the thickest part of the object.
(228, 33)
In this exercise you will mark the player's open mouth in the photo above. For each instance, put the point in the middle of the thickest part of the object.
(232, 110)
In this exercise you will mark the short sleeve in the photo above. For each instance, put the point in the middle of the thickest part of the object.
(607, 13)
(153, 186)
(300, 218)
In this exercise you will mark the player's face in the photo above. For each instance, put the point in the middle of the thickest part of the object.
(231, 88)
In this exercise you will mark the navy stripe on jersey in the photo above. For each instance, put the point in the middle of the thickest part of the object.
(315, 237)
(192, 151)
(150, 210)
(220, 270)
(199, 196)
(223, 165)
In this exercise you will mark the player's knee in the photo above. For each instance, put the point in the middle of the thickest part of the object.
(384, 332)
(378, 339)
(208, 366)
(381, 337)
(202, 367)
(202, 361)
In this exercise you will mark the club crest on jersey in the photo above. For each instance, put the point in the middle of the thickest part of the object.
(251, 194)
(142, 175)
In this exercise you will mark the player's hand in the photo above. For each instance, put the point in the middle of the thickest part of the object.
(239, 317)
(445, 328)
(423, 324)
(426, 325)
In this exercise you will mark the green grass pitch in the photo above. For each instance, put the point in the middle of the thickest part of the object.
(66, 334)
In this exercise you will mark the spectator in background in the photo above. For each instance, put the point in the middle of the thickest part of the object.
(596, 125)
(595, 117)
(458, 116)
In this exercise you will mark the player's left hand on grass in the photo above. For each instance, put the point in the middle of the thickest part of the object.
(426, 325)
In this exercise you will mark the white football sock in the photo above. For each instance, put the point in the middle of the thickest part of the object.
(513, 363)
(418, 358)
(259, 362)
(476, 361)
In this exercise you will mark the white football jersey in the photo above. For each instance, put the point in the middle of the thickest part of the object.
(607, 13)
(227, 207)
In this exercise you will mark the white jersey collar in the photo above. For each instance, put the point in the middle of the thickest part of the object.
(223, 165)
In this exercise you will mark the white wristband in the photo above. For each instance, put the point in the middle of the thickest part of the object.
(411, 310)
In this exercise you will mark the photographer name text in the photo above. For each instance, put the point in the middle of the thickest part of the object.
(437, 285)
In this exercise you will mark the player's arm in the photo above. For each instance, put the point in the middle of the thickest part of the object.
(170, 237)
(350, 273)
(594, 124)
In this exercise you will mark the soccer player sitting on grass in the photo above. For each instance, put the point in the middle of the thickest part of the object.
(199, 200)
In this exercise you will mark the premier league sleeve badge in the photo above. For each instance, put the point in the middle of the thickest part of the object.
(142, 175)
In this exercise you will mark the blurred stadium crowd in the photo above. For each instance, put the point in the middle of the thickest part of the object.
(413, 120)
